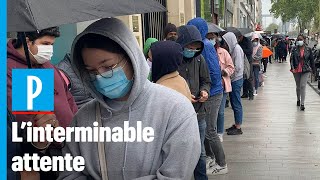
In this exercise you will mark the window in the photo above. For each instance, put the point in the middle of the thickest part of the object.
(135, 23)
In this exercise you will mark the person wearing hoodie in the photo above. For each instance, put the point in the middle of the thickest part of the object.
(247, 48)
(256, 61)
(107, 57)
(195, 71)
(40, 46)
(146, 53)
(227, 69)
(230, 43)
(166, 58)
(78, 91)
(213, 144)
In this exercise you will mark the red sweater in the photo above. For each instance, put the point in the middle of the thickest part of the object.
(64, 104)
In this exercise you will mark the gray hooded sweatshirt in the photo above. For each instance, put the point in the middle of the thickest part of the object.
(175, 150)
(237, 55)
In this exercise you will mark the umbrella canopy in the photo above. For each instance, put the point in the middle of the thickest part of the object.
(279, 36)
(32, 15)
(245, 30)
(234, 30)
(213, 28)
(266, 52)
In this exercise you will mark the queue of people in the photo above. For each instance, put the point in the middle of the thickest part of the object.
(178, 86)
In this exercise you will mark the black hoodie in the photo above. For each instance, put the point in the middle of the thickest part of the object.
(166, 58)
(194, 70)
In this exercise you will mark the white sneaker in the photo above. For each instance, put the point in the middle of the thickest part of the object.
(262, 84)
(217, 170)
(220, 137)
(210, 162)
(255, 93)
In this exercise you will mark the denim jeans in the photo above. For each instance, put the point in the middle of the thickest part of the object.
(200, 172)
(212, 142)
(256, 70)
(220, 119)
(235, 100)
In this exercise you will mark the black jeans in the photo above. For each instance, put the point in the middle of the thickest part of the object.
(247, 88)
(265, 64)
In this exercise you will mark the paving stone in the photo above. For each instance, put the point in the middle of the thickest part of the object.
(279, 142)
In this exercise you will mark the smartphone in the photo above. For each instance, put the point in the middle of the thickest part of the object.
(197, 98)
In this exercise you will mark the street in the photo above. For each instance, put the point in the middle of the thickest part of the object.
(279, 141)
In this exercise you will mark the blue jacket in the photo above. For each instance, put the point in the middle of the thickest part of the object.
(210, 55)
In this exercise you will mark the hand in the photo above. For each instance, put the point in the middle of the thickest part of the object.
(204, 96)
(224, 73)
(41, 120)
(193, 100)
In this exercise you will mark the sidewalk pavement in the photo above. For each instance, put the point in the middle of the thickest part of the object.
(279, 141)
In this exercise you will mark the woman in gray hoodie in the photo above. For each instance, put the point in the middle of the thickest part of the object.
(230, 43)
(108, 59)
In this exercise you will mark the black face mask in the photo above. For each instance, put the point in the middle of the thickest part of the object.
(172, 38)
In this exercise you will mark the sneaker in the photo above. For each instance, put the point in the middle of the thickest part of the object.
(210, 162)
(244, 96)
(235, 132)
(262, 84)
(220, 137)
(298, 103)
(255, 93)
(218, 170)
(302, 108)
(231, 128)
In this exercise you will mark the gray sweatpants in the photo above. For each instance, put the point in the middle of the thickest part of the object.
(301, 83)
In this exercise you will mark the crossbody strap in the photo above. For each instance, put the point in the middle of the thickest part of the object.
(101, 148)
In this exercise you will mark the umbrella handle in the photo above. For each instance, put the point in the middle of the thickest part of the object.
(26, 49)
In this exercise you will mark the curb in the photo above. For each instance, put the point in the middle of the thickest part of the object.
(314, 87)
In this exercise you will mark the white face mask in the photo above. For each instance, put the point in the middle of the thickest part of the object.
(255, 44)
(45, 52)
(300, 43)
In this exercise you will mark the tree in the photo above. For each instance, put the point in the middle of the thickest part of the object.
(302, 10)
(272, 27)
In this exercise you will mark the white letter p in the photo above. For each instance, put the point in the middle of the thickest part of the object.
(30, 94)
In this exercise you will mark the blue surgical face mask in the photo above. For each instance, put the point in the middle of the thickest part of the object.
(189, 53)
(213, 41)
(114, 87)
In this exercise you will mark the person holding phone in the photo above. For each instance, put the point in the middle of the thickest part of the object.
(195, 71)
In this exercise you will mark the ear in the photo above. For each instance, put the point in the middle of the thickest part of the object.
(29, 43)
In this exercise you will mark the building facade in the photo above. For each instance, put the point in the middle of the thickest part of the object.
(225, 13)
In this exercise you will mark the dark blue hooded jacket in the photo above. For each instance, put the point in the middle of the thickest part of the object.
(166, 58)
(210, 55)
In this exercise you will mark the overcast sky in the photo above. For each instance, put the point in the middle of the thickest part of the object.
(266, 6)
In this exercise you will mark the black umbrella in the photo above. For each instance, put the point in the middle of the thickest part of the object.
(213, 28)
(245, 30)
(32, 15)
(234, 30)
(278, 36)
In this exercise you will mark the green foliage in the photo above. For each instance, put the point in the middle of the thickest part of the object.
(303, 10)
(272, 27)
